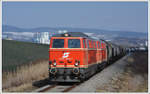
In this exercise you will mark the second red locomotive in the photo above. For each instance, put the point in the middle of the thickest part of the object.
(74, 56)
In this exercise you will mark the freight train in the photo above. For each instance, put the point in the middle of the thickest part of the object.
(74, 56)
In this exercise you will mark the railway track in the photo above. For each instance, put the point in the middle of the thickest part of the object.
(56, 88)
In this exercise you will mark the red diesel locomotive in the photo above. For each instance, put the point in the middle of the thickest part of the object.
(74, 56)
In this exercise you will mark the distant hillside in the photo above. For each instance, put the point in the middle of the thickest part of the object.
(107, 33)
(119, 37)
(16, 53)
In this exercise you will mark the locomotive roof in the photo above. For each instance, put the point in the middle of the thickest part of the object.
(80, 34)
(73, 34)
(110, 43)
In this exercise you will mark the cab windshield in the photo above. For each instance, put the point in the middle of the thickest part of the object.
(74, 43)
(58, 43)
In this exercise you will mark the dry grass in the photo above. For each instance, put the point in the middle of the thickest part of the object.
(25, 75)
(21, 88)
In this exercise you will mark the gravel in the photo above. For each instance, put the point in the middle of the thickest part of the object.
(111, 72)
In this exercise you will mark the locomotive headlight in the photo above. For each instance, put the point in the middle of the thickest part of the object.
(76, 63)
(54, 64)
(66, 35)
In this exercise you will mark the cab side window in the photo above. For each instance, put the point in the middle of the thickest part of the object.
(84, 45)
(88, 43)
(94, 44)
(99, 46)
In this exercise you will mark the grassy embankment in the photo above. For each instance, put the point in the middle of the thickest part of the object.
(23, 63)
(18, 53)
(134, 78)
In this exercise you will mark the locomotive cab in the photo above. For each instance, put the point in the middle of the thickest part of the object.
(67, 58)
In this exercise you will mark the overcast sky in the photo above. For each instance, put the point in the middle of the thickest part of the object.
(125, 16)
